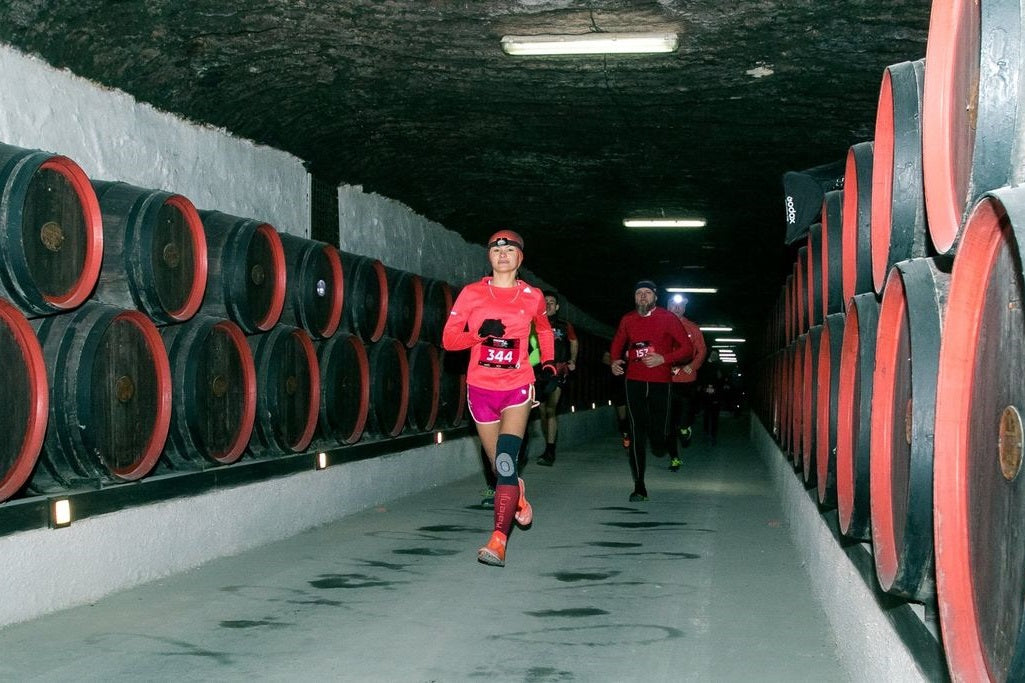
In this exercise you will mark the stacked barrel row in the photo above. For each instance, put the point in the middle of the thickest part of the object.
(141, 335)
(897, 383)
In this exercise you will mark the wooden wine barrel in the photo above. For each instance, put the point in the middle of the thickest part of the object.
(979, 491)
(288, 391)
(405, 306)
(366, 296)
(789, 311)
(832, 253)
(438, 299)
(110, 397)
(826, 407)
(813, 285)
(246, 276)
(898, 197)
(51, 232)
(809, 404)
(857, 221)
(27, 403)
(389, 387)
(854, 416)
(971, 110)
(314, 286)
(452, 401)
(785, 403)
(154, 252)
(424, 386)
(801, 291)
(903, 419)
(214, 393)
(797, 445)
(345, 388)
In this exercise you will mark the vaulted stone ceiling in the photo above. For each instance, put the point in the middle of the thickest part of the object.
(415, 100)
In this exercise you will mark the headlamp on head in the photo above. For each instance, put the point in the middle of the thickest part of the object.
(504, 238)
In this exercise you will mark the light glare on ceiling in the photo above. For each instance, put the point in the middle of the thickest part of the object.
(590, 44)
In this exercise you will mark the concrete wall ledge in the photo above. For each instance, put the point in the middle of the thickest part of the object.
(46, 570)
(879, 637)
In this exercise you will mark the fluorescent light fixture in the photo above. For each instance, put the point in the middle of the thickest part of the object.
(714, 328)
(693, 290)
(590, 44)
(728, 360)
(722, 346)
(665, 222)
(731, 340)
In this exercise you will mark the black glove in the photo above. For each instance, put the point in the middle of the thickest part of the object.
(548, 369)
(491, 327)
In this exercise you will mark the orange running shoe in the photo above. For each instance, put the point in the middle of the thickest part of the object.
(524, 511)
(494, 552)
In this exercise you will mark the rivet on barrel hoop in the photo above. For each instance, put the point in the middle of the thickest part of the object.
(52, 236)
(172, 255)
(321, 288)
(124, 388)
(1009, 443)
(219, 386)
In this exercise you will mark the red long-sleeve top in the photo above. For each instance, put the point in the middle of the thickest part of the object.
(660, 332)
(499, 363)
(697, 340)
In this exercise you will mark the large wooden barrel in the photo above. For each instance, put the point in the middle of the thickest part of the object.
(809, 403)
(857, 221)
(110, 397)
(345, 388)
(438, 299)
(971, 112)
(827, 406)
(832, 253)
(424, 386)
(51, 232)
(814, 282)
(27, 400)
(314, 286)
(903, 419)
(154, 252)
(797, 446)
(214, 394)
(979, 496)
(246, 277)
(366, 296)
(405, 306)
(452, 401)
(801, 291)
(898, 198)
(288, 391)
(389, 387)
(854, 416)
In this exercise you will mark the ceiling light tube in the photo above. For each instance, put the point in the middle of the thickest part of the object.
(664, 222)
(714, 328)
(730, 340)
(590, 44)
(692, 290)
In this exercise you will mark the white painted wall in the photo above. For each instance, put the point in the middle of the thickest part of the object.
(114, 137)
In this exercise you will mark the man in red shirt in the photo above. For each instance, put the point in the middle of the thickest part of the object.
(648, 343)
(684, 382)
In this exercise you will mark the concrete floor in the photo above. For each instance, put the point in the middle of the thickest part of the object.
(701, 583)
